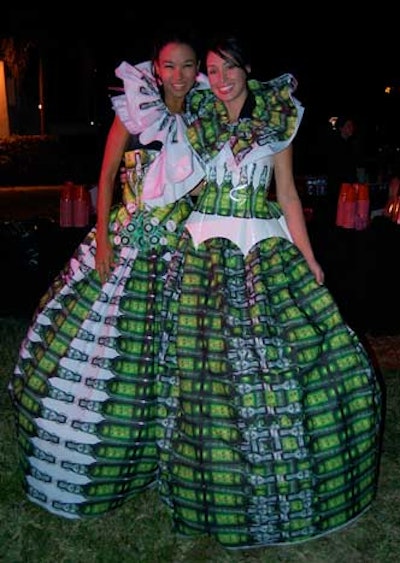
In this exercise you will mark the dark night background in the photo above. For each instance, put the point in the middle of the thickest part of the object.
(342, 60)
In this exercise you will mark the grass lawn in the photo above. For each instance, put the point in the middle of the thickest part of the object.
(141, 531)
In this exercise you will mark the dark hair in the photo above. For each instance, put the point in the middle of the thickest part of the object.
(230, 48)
(178, 33)
(342, 119)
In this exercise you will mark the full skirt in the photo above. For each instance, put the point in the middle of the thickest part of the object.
(275, 410)
(85, 383)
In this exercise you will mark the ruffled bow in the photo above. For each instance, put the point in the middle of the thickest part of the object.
(143, 111)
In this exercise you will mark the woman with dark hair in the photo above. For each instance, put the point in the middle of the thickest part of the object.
(343, 158)
(85, 383)
(274, 414)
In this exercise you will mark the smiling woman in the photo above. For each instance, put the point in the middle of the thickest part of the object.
(107, 303)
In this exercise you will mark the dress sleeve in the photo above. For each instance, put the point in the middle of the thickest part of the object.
(278, 111)
(141, 105)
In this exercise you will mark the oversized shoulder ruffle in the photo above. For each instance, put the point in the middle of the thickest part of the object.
(143, 111)
(273, 123)
(141, 107)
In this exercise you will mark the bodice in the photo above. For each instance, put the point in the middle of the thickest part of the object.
(139, 223)
(238, 159)
(234, 202)
(238, 189)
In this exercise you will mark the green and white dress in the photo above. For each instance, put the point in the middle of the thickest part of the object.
(84, 386)
(272, 404)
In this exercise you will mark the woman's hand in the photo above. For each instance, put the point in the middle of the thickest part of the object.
(104, 260)
(317, 271)
(117, 140)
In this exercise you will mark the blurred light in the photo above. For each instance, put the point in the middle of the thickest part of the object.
(332, 120)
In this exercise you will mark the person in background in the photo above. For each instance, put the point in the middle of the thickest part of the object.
(346, 259)
(392, 205)
(343, 163)
(274, 406)
(85, 382)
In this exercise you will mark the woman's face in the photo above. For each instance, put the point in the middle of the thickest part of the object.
(227, 80)
(177, 68)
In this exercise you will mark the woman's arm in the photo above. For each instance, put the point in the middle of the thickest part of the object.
(289, 200)
(116, 142)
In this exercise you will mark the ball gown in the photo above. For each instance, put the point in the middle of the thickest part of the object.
(85, 382)
(272, 404)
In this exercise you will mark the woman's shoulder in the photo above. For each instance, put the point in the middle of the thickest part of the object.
(141, 104)
(277, 113)
(139, 72)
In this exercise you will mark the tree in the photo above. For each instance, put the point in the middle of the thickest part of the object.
(16, 54)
